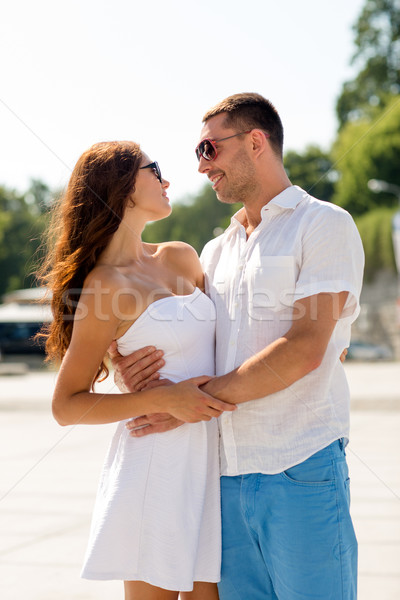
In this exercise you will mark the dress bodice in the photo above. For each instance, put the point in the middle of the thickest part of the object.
(184, 328)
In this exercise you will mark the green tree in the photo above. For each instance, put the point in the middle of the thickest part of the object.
(311, 170)
(377, 41)
(375, 229)
(22, 221)
(194, 222)
(39, 196)
(364, 150)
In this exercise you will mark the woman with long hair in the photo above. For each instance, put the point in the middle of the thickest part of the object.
(156, 521)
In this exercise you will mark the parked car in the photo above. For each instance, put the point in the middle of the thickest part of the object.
(359, 350)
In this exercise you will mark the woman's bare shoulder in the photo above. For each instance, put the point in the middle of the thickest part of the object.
(183, 259)
(175, 250)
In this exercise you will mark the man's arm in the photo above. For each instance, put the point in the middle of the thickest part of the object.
(276, 367)
(288, 358)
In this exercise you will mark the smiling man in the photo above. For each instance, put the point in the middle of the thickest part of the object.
(285, 278)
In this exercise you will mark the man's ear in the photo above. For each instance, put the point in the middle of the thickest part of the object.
(259, 141)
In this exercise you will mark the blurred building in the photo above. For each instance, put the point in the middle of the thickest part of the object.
(22, 315)
(379, 320)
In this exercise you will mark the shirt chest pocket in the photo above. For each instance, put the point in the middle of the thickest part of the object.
(273, 283)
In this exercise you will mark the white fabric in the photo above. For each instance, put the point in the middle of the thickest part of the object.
(302, 246)
(157, 512)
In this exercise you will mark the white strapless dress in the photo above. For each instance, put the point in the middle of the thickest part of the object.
(157, 512)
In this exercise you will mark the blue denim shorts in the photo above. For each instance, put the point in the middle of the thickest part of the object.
(290, 536)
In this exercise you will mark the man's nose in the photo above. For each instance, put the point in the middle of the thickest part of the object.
(204, 165)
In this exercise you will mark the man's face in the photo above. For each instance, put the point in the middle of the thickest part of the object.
(232, 172)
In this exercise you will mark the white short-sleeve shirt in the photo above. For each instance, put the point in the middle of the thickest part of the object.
(302, 247)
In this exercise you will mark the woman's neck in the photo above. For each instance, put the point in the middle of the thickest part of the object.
(125, 247)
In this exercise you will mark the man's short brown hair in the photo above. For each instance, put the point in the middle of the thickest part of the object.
(251, 111)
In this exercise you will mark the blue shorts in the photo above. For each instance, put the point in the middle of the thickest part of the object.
(290, 536)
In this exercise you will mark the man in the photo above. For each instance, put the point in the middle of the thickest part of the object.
(285, 278)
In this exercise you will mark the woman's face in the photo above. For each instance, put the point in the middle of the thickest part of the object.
(150, 195)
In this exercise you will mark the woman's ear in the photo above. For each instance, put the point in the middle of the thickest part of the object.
(131, 202)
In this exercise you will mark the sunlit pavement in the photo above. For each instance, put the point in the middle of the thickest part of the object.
(49, 476)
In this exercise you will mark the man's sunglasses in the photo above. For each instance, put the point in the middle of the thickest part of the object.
(156, 169)
(207, 149)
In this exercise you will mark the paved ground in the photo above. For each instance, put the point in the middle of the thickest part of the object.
(49, 477)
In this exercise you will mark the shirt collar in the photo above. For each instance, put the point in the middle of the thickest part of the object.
(289, 198)
(286, 200)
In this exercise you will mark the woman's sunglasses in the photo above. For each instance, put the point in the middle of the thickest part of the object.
(156, 169)
(207, 149)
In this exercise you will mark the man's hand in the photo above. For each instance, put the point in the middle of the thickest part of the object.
(157, 423)
(135, 371)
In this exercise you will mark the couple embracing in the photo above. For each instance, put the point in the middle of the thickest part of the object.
(234, 415)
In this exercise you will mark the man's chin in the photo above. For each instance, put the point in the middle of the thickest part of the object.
(224, 198)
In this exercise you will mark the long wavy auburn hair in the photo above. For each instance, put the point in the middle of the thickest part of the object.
(83, 222)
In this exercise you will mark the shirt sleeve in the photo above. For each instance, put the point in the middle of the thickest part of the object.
(332, 258)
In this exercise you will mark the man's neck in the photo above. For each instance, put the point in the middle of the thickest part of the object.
(253, 207)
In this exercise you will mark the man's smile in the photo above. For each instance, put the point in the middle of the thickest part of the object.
(215, 179)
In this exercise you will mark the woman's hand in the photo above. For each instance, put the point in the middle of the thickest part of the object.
(155, 423)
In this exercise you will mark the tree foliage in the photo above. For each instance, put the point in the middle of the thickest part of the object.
(311, 170)
(377, 41)
(22, 221)
(375, 229)
(367, 150)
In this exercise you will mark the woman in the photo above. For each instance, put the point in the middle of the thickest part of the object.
(156, 523)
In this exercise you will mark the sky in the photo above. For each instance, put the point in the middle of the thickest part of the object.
(83, 71)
